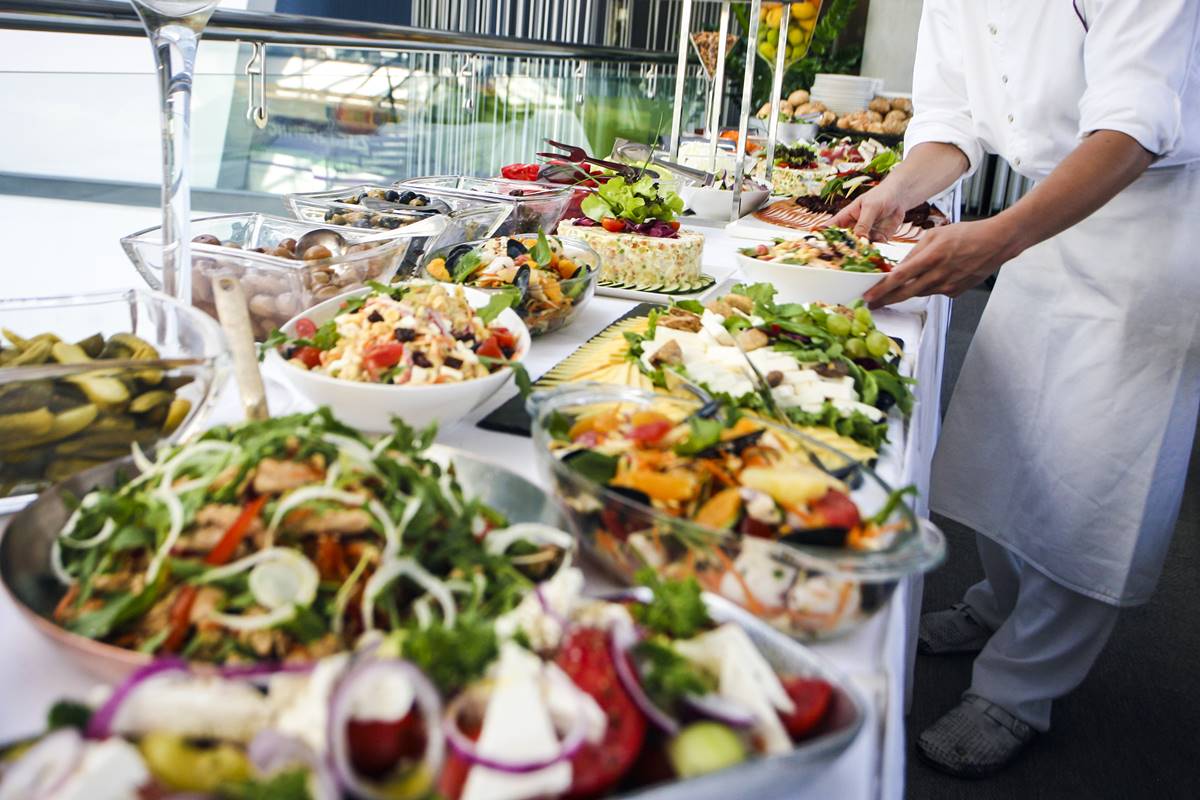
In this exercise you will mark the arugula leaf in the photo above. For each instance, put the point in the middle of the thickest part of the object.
(465, 266)
(500, 300)
(306, 625)
(117, 611)
(558, 425)
(895, 498)
(274, 339)
(704, 434)
(668, 677)
(760, 293)
(694, 306)
(451, 657)
(326, 336)
(68, 714)
(596, 467)
(677, 608)
(520, 374)
(541, 251)
(894, 386)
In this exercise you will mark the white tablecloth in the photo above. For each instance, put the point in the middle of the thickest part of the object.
(33, 675)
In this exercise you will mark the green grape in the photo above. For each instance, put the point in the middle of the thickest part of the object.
(858, 328)
(837, 325)
(818, 316)
(863, 315)
(856, 348)
(878, 344)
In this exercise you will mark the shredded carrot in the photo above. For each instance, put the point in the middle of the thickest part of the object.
(752, 602)
(717, 471)
(68, 599)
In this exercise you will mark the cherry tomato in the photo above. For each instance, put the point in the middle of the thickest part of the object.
(455, 768)
(330, 562)
(650, 432)
(309, 356)
(613, 225)
(376, 747)
(837, 510)
(305, 328)
(383, 355)
(490, 348)
(505, 338)
(811, 698)
(674, 224)
(587, 660)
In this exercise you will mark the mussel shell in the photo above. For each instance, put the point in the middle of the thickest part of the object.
(521, 281)
(515, 248)
(829, 536)
(734, 446)
(456, 252)
(709, 409)
(850, 473)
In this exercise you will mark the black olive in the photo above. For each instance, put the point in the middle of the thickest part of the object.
(375, 316)
(391, 223)
(406, 197)
(365, 222)
(420, 359)
(404, 334)
(419, 200)
(391, 195)
(817, 537)
(464, 336)
(514, 248)
(329, 215)
(452, 362)
(874, 595)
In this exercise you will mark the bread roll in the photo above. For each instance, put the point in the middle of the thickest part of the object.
(875, 127)
(874, 116)
(902, 104)
(895, 116)
(798, 97)
(881, 105)
(896, 127)
(827, 119)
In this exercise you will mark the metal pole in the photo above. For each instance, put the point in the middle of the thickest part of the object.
(776, 90)
(685, 22)
(718, 88)
(739, 169)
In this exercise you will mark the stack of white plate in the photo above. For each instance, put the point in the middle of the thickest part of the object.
(845, 94)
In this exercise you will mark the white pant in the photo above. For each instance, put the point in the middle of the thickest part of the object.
(1046, 637)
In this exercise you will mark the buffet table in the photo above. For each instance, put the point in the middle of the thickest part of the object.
(878, 657)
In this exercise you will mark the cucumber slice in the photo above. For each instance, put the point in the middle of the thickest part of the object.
(704, 747)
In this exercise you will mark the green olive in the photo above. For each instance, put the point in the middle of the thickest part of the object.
(187, 768)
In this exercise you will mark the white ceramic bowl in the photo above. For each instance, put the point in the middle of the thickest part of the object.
(799, 284)
(371, 406)
(710, 203)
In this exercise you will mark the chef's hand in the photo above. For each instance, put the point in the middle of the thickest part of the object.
(947, 261)
(877, 214)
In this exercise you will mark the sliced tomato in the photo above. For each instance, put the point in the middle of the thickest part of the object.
(505, 338)
(613, 225)
(811, 698)
(587, 660)
(330, 562)
(456, 768)
(232, 538)
(837, 510)
(490, 348)
(650, 432)
(520, 172)
(383, 355)
(309, 356)
(305, 328)
(376, 747)
(674, 224)
(179, 619)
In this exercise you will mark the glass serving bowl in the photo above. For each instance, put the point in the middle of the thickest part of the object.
(534, 206)
(69, 408)
(808, 590)
(277, 288)
(543, 307)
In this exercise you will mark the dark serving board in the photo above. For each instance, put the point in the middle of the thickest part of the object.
(511, 417)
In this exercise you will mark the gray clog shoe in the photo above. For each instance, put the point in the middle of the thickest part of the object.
(954, 630)
(974, 739)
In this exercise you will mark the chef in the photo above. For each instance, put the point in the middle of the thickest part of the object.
(1066, 443)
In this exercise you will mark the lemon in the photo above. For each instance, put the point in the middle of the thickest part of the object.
(805, 10)
(795, 35)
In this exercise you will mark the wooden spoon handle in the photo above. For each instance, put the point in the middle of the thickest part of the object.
(235, 321)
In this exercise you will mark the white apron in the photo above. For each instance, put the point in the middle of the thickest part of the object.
(1068, 436)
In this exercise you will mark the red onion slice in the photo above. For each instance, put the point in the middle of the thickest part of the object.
(340, 702)
(621, 640)
(461, 744)
(251, 671)
(101, 722)
(721, 709)
(44, 768)
(272, 752)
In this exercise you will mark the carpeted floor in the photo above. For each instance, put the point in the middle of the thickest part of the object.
(1132, 730)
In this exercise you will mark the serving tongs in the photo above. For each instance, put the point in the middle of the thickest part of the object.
(577, 155)
(636, 151)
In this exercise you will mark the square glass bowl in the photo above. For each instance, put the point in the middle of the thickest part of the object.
(277, 288)
(77, 389)
(534, 206)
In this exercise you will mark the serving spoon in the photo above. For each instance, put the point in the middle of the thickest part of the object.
(235, 321)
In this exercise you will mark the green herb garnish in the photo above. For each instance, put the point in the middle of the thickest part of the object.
(676, 609)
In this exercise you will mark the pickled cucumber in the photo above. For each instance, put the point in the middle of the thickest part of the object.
(704, 747)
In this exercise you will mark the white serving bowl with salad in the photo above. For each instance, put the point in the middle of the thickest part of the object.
(830, 265)
(420, 350)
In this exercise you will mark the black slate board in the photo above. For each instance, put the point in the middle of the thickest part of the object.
(511, 417)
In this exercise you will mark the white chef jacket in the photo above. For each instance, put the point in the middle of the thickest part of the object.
(1028, 78)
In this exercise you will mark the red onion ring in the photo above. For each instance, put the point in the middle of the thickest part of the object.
(251, 671)
(461, 744)
(272, 752)
(45, 767)
(426, 698)
(721, 709)
(101, 722)
(621, 640)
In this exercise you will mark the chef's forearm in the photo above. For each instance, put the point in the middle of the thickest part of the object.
(1101, 166)
(926, 171)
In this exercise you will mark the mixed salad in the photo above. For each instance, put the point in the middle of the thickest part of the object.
(284, 540)
(549, 284)
(827, 366)
(641, 206)
(416, 333)
(828, 248)
(707, 493)
(548, 694)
